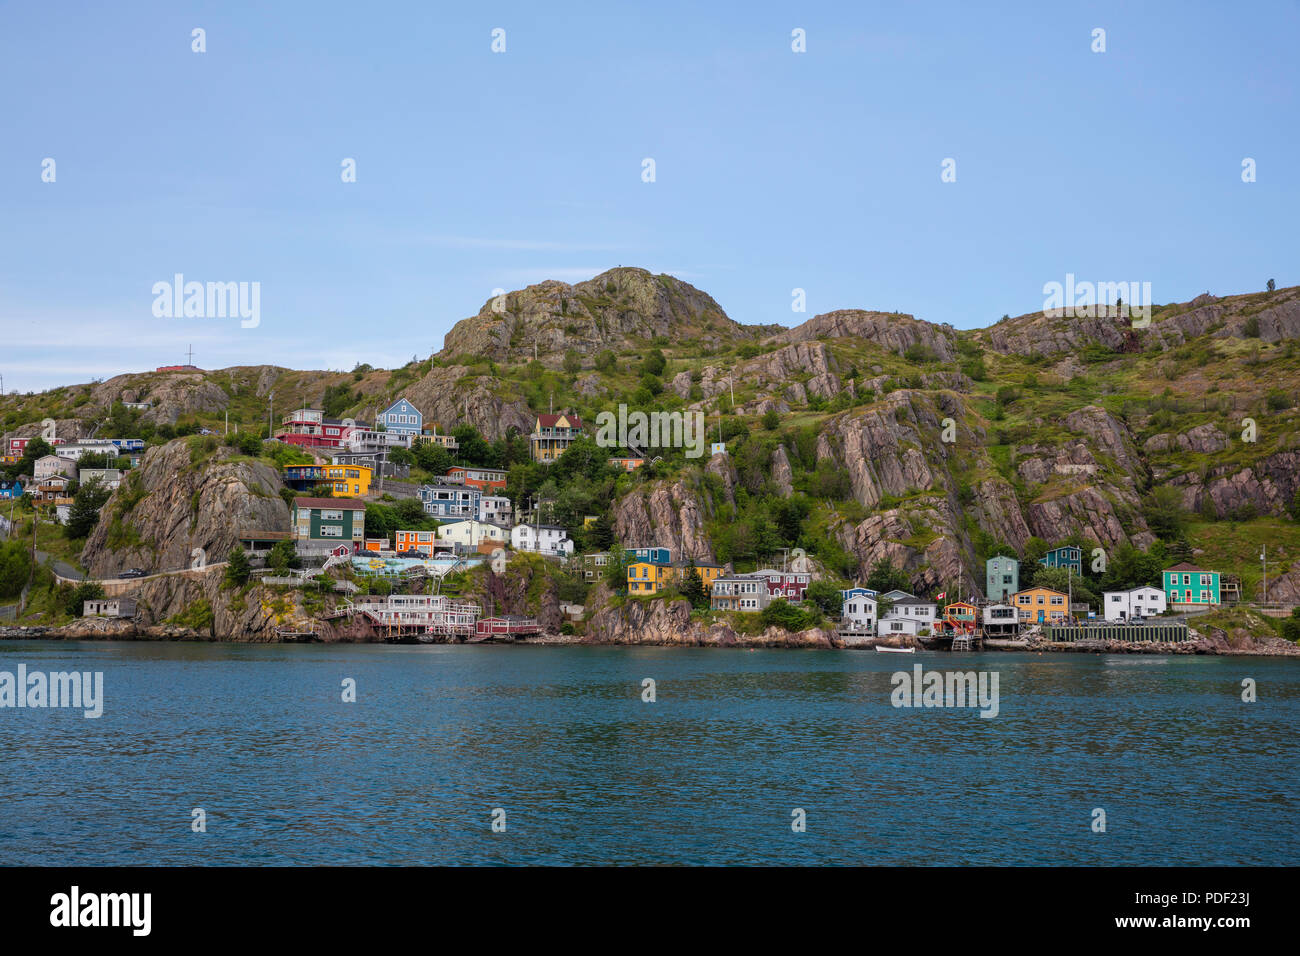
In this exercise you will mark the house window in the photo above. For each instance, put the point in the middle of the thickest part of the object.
(1187, 579)
(332, 515)
(1205, 597)
(331, 531)
(1205, 580)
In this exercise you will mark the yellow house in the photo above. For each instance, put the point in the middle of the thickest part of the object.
(552, 435)
(643, 577)
(1041, 606)
(646, 578)
(344, 480)
(708, 574)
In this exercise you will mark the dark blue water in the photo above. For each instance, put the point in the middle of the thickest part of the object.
(587, 773)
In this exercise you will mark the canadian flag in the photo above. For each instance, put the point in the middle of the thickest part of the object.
(941, 595)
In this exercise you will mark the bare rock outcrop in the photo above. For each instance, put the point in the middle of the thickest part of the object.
(664, 514)
(894, 331)
(170, 506)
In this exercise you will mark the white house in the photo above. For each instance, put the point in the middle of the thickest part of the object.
(48, 465)
(495, 508)
(88, 446)
(1144, 601)
(546, 538)
(858, 611)
(470, 533)
(908, 607)
(892, 625)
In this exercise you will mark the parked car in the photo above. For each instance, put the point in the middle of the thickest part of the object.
(412, 553)
(132, 573)
(1137, 619)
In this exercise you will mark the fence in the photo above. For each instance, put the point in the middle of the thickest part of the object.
(1129, 633)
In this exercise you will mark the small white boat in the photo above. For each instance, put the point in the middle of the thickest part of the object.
(895, 650)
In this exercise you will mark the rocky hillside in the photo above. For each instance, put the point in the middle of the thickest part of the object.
(616, 310)
(860, 437)
(188, 499)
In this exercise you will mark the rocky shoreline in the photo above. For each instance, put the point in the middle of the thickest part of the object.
(698, 634)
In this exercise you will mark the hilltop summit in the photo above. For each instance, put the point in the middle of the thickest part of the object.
(617, 309)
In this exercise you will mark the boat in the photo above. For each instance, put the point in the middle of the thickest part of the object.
(895, 650)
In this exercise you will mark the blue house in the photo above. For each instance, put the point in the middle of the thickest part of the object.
(11, 488)
(402, 418)
(1066, 557)
(651, 555)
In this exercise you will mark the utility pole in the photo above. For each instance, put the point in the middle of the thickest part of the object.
(1263, 557)
(270, 415)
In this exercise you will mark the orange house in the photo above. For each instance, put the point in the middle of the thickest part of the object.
(484, 479)
(1041, 606)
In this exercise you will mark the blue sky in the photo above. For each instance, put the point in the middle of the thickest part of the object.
(775, 170)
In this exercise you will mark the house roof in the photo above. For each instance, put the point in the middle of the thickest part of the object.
(342, 504)
(1186, 567)
(1041, 588)
(550, 421)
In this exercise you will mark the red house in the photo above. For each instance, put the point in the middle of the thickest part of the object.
(309, 428)
(789, 585)
(484, 479)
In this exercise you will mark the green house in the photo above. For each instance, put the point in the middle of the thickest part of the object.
(328, 521)
(1187, 584)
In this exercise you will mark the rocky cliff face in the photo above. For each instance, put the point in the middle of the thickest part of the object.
(171, 506)
(451, 396)
(669, 623)
(896, 332)
(616, 309)
(1277, 316)
(666, 514)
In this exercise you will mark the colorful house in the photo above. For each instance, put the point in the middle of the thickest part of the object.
(328, 521)
(1065, 557)
(1186, 584)
(414, 541)
(343, 480)
(431, 435)
(49, 465)
(552, 435)
(627, 464)
(1001, 578)
(309, 428)
(484, 479)
(1042, 605)
(789, 585)
(653, 555)
(450, 501)
(709, 573)
(958, 617)
(11, 488)
(402, 418)
(644, 577)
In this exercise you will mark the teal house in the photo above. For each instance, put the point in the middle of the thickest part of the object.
(1066, 557)
(1002, 578)
(328, 521)
(1187, 584)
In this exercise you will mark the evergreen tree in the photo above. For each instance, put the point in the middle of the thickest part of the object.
(84, 513)
(693, 587)
(238, 569)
